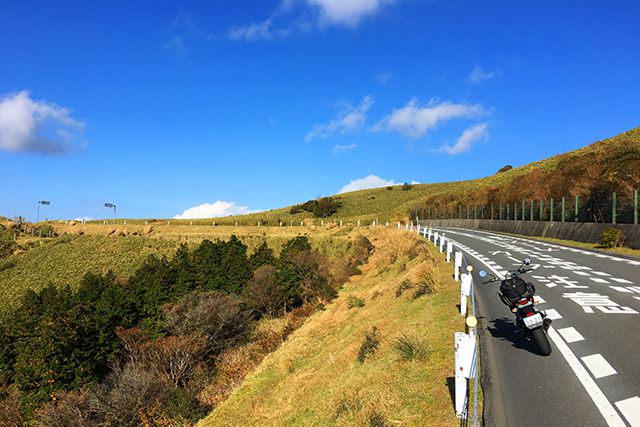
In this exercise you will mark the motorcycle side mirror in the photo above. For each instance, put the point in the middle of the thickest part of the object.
(527, 261)
(482, 273)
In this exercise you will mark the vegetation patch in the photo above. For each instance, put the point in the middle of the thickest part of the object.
(355, 302)
(611, 238)
(369, 344)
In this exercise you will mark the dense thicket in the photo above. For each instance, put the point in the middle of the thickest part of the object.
(320, 208)
(165, 324)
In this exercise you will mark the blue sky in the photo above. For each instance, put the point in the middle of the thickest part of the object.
(233, 106)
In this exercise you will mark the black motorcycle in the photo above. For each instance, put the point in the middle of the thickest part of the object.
(519, 295)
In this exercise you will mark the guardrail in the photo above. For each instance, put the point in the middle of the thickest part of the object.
(465, 343)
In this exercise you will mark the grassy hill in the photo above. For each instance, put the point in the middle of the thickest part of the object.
(315, 377)
(596, 170)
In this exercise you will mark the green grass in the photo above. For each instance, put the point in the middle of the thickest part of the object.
(65, 260)
(315, 378)
(608, 165)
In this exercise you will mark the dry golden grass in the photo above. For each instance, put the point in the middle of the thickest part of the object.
(314, 378)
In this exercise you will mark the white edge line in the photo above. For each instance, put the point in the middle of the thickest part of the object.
(602, 403)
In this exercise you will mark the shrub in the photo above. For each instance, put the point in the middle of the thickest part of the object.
(10, 415)
(263, 293)
(377, 420)
(410, 347)
(68, 409)
(505, 168)
(124, 395)
(7, 264)
(320, 208)
(611, 238)
(355, 302)
(362, 249)
(425, 279)
(389, 188)
(369, 344)
(217, 317)
(403, 287)
(406, 186)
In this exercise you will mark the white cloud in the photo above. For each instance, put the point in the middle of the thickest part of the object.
(348, 120)
(214, 210)
(371, 181)
(176, 44)
(339, 148)
(346, 12)
(414, 120)
(468, 137)
(384, 78)
(252, 32)
(301, 16)
(36, 126)
(478, 75)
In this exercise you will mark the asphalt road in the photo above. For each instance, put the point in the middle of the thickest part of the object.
(592, 377)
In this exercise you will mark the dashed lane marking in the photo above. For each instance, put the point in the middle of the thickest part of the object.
(598, 280)
(630, 408)
(553, 314)
(602, 403)
(598, 365)
(621, 280)
(570, 335)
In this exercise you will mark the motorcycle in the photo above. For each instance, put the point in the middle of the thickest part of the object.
(519, 295)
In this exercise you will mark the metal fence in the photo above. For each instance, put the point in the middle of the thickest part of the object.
(615, 208)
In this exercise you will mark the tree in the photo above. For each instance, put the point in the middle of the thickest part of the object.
(264, 294)
(219, 318)
(263, 255)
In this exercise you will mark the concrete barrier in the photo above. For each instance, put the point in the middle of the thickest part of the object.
(576, 231)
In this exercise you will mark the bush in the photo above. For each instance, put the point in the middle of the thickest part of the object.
(218, 318)
(320, 208)
(410, 347)
(611, 238)
(389, 188)
(355, 302)
(403, 287)
(406, 186)
(377, 420)
(505, 168)
(369, 344)
(263, 293)
(425, 279)
(362, 249)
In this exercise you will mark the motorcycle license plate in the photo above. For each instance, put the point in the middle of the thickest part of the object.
(534, 321)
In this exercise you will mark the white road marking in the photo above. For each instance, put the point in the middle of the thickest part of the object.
(598, 365)
(610, 415)
(601, 273)
(538, 299)
(598, 280)
(582, 273)
(615, 279)
(602, 403)
(553, 314)
(630, 408)
(570, 335)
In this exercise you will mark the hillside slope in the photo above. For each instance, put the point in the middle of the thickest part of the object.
(594, 171)
(315, 377)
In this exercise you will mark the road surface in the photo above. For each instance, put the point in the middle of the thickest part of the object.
(592, 377)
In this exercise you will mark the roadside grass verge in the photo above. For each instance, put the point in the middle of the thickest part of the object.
(315, 377)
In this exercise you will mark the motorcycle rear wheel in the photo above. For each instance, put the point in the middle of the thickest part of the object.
(542, 341)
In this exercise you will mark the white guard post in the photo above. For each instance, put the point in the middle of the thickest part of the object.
(442, 243)
(406, 227)
(429, 233)
(418, 229)
(435, 239)
(398, 226)
(465, 347)
(424, 232)
(449, 250)
(465, 291)
(457, 265)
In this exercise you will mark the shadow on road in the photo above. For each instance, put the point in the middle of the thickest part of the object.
(506, 330)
